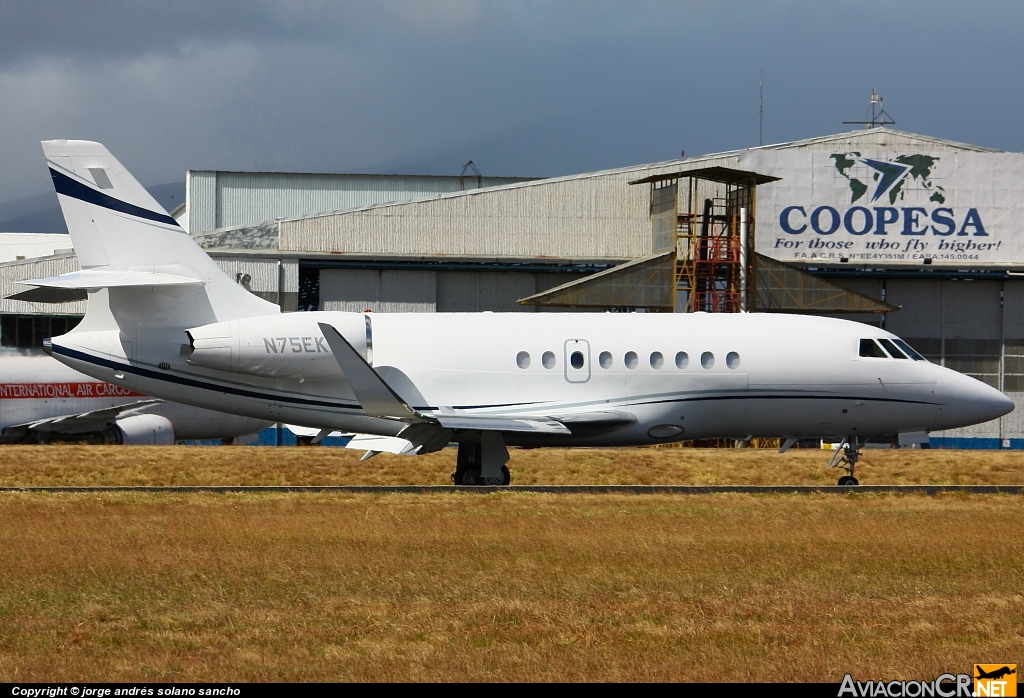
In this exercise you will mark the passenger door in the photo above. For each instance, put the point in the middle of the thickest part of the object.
(576, 358)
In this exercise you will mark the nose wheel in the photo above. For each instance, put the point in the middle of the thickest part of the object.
(845, 458)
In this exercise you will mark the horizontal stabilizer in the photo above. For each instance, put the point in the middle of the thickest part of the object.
(107, 278)
(42, 294)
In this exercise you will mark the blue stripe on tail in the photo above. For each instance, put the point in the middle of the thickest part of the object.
(76, 190)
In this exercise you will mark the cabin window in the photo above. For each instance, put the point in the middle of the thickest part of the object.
(605, 359)
(870, 349)
(631, 360)
(908, 350)
(732, 360)
(576, 359)
(682, 359)
(657, 360)
(707, 359)
(548, 359)
(891, 348)
(523, 359)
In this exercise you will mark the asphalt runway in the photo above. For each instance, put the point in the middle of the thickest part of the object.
(549, 489)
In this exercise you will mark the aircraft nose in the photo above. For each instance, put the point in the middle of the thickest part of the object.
(972, 401)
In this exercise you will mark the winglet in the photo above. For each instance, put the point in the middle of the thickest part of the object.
(374, 395)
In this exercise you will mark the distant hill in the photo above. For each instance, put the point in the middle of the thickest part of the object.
(41, 214)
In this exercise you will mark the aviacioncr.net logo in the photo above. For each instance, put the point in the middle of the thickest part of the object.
(943, 686)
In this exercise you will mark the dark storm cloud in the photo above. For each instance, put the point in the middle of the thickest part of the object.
(524, 88)
(110, 31)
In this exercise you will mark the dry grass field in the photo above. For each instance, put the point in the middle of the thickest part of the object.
(509, 586)
(247, 465)
(133, 587)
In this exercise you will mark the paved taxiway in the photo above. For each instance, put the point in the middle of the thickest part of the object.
(553, 489)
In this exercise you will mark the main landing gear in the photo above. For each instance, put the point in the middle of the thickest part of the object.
(845, 458)
(482, 462)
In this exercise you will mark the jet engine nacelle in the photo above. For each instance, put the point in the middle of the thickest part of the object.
(290, 345)
(143, 430)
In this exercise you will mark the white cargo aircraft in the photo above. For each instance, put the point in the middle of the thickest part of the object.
(42, 400)
(163, 319)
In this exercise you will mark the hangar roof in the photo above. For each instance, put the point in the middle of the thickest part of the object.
(592, 216)
(879, 137)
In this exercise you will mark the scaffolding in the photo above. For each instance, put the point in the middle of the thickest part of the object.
(707, 217)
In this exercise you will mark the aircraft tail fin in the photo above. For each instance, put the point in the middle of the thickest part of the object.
(117, 226)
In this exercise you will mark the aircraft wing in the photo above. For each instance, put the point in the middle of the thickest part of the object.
(79, 423)
(542, 425)
(426, 437)
(435, 435)
(575, 423)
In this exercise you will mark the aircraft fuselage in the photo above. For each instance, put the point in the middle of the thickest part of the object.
(682, 376)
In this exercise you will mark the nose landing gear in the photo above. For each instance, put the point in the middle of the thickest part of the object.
(845, 458)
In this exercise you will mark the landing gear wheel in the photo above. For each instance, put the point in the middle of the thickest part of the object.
(468, 464)
(846, 458)
(467, 477)
(471, 477)
(505, 479)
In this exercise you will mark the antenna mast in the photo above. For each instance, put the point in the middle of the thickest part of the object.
(462, 177)
(760, 112)
(879, 117)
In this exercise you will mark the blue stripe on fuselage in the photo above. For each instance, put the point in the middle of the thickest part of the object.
(193, 383)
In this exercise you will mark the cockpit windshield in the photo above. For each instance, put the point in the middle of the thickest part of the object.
(891, 348)
(869, 348)
(895, 348)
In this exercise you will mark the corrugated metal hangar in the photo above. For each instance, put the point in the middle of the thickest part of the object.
(912, 232)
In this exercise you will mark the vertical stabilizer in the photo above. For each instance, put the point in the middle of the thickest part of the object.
(116, 225)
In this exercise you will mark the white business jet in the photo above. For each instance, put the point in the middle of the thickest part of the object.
(163, 319)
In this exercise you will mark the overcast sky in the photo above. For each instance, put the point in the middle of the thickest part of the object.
(531, 88)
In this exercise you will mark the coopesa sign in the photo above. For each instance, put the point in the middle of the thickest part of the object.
(889, 208)
(881, 220)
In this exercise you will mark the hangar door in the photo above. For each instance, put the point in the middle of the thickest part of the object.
(475, 291)
(382, 291)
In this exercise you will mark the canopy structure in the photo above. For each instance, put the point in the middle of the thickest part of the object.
(640, 283)
(648, 283)
(782, 288)
(722, 175)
